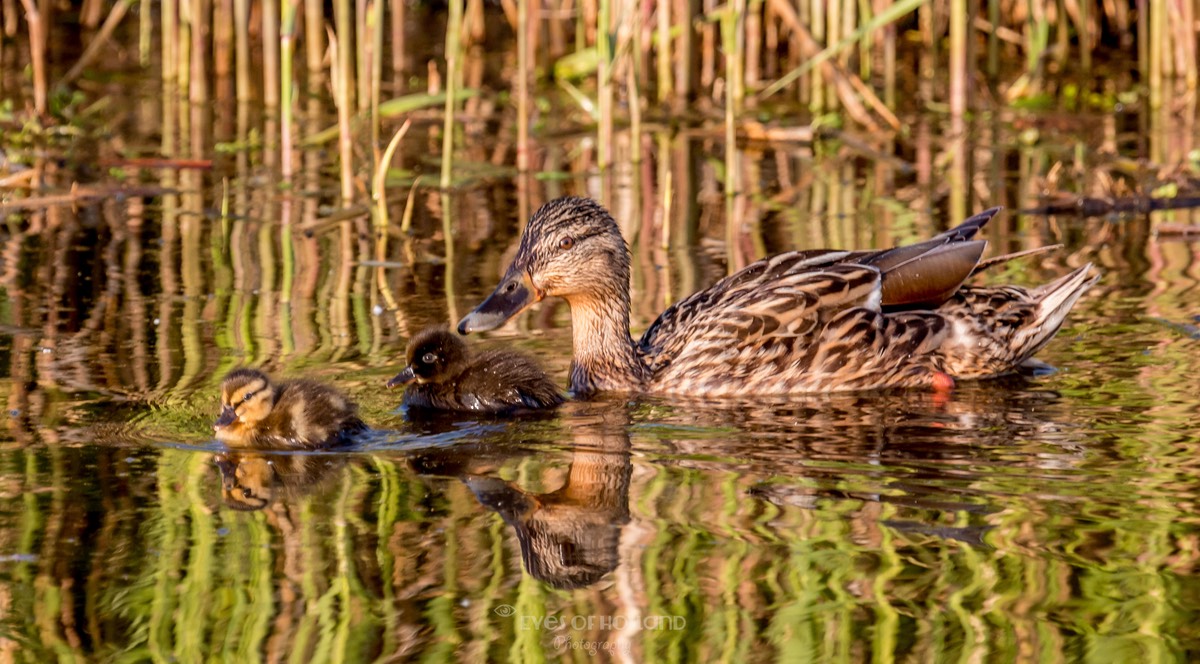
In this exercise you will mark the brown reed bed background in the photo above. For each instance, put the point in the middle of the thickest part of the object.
(622, 62)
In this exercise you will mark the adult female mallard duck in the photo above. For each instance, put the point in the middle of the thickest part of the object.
(802, 321)
(257, 413)
(443, 375)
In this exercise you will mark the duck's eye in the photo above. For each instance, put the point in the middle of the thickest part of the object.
(566, 243)
(248, 396)
(248, 493)
(429, 358)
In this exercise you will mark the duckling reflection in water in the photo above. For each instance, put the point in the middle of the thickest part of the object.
(297, 414)
(443, 375)
(251, 482)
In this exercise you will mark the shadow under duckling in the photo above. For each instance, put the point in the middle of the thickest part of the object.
(442, 374)
(295, 414)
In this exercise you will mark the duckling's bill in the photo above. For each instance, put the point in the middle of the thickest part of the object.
(514, 294)
(403, 378)
(228, 416)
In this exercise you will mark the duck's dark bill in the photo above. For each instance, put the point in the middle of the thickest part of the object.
(403, 378)
(228, 416)
(509, 299)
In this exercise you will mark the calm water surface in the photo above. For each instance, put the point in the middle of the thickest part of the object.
(1049, 517)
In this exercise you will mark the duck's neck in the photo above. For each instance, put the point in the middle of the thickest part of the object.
(605, 357)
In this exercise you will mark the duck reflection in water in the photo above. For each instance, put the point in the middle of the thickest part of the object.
(569, 537)
(251, 482)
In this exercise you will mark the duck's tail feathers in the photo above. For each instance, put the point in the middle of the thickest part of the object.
(967, 229)
(1001, 260)
(1054, 301)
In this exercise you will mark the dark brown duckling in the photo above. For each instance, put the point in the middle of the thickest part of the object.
(443, 375)
(296, 414)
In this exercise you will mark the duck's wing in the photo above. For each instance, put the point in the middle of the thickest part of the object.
(770, 310)
(922, 274)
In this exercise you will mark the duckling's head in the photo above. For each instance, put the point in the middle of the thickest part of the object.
(435, 355)
(247, 396)
(572, 248)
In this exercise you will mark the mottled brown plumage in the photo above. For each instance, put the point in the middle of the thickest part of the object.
(256, 413)
(802, 321)
(442, 374)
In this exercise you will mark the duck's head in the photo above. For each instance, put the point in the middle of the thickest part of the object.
(434, 355)
(247, 396)
(572, 248)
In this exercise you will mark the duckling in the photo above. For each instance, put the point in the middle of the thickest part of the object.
(302, 414)
(442, 375)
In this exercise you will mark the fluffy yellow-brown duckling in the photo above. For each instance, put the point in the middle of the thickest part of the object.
(442, 374)
(257, 413)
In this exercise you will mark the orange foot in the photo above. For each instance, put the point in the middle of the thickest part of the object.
(943, 387)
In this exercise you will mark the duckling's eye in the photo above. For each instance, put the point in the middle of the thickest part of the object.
(247, 493)
(429, 358)
(566, 243)
(248, 396)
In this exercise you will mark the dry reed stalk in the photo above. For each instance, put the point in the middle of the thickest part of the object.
(453, 30)
(379, 182)
(361, 44)
(399, 64)
(98, 43)
(817, 98)
(708, 47)
(732, 35)
(314, 40)
(685, 79)
(959, 25)
(169, 38)
(374, 66)
(752, 37)
(343, 69)
(1155, 49)
(1186, 36)
(37, 54)
(241, 43)
(287, 47)
(183, 50)
(522, 85)
(662, 55)
(201, 16)
(145, 31)
(1085, 34)
(270, 51)
(633, 90)
(222, 49)
(604, 84)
